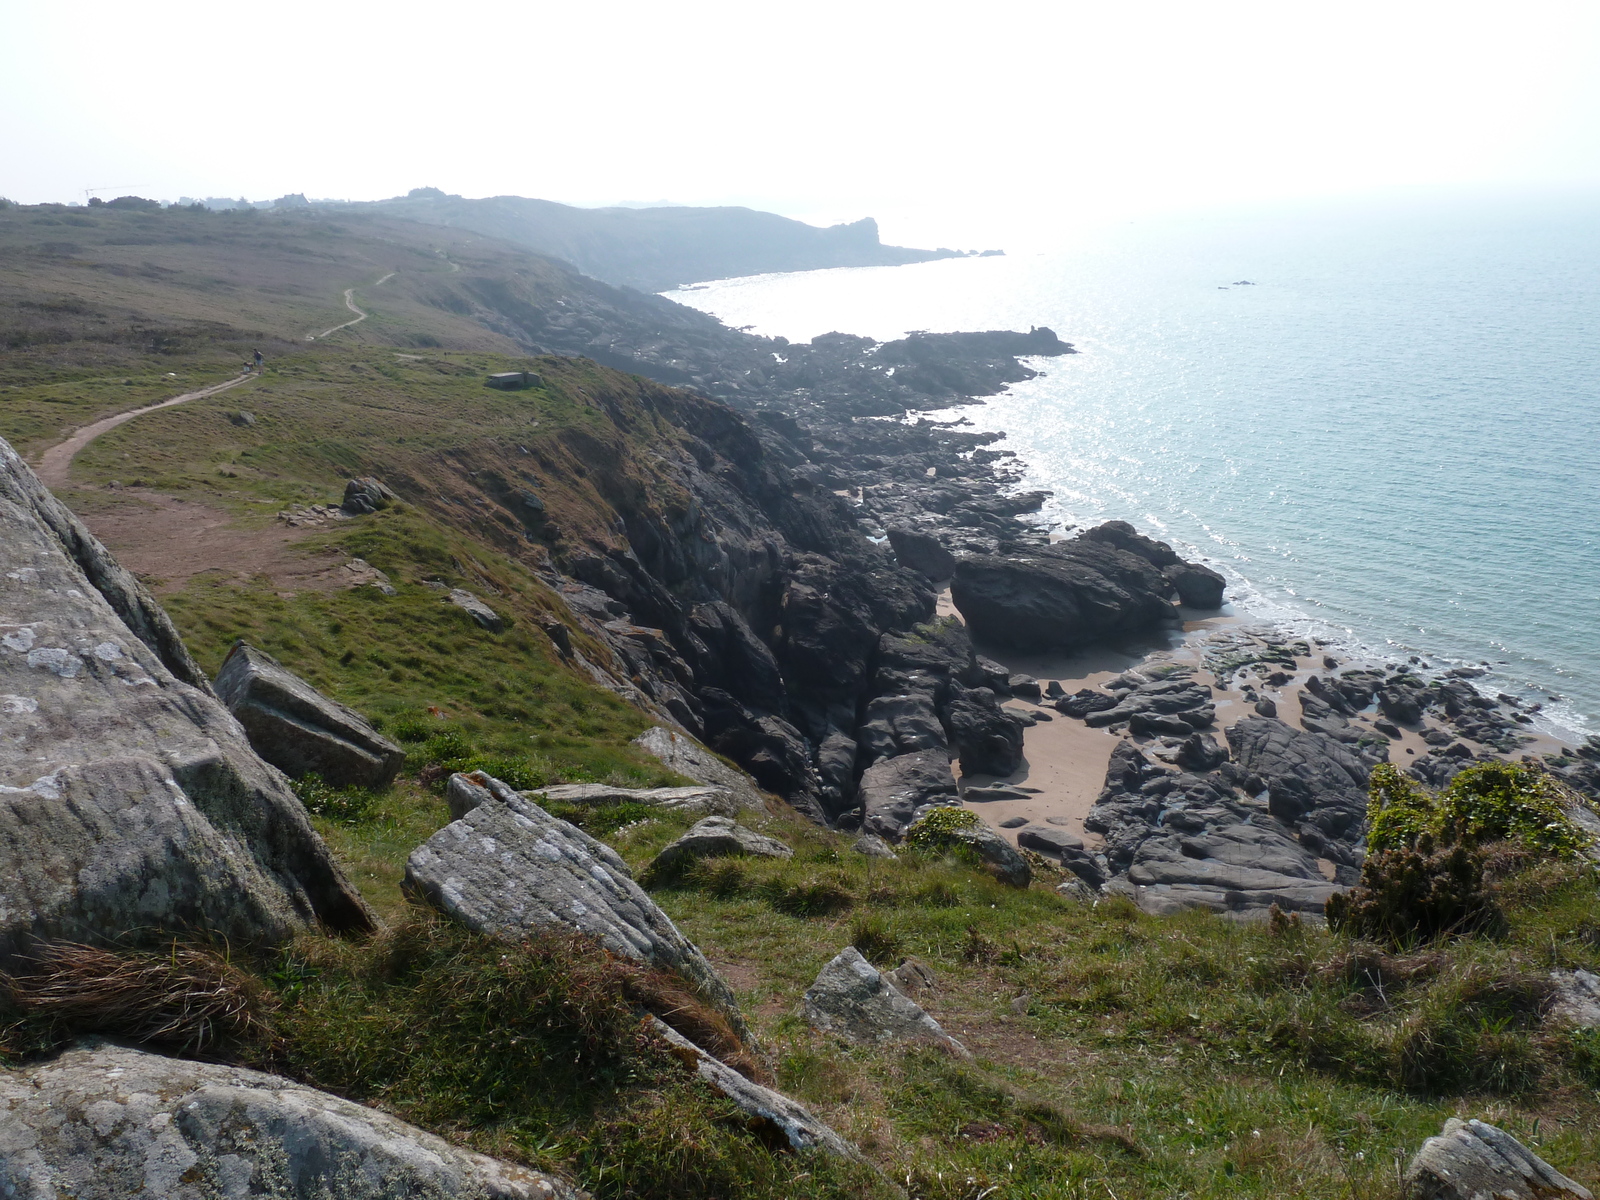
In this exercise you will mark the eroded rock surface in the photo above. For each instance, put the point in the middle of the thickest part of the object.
(688, 758)
(129, 797)
(1472, 1160)
(715, 837)
(105, 1122)
(853, 999)
(508, 868)
(297, 729)
(895, 790)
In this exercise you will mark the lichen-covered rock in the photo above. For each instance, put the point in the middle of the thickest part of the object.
(853, 999)
(799, 1127)
(104, 1122)
(129, 798)
(1576, 1001)
(714, 837)
(872, 846)
(297, 729)
(508, 868)
(1472, 1160)
(476, 609)
(366, 495)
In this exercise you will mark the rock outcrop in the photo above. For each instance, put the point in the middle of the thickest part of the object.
(896, 790)
(476, 609)
(508, 868)
(922, 552)
(297, 729)
(104, 1122)
(1472, 1160)
(688, 758)
(365, 495)
(1106, 583)
(130, 799)
(714, 837)
(799, 1128)
(853, 999)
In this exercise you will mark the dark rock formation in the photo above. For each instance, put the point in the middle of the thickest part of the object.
(297, 729)
(894, 791)
(1106, 583)
(130, 801)
(365, 495)
(104, 1122)
(922, 552)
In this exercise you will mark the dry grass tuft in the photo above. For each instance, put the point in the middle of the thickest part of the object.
(185, 999)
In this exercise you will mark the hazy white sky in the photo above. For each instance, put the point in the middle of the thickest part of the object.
(965, 124)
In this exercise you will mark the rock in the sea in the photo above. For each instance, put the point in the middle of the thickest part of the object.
(681, 753)
(1198, 586)
(922, 552)
(853, 999)
(129, 799)
(476, 609)
(894, 789)
(714, 837)
(366, 495)
(508, 868)
(297, 729)
(105, 1122)
(1472, 1160)
(764, 1106)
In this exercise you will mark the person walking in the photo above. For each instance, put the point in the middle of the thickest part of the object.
(258, 362)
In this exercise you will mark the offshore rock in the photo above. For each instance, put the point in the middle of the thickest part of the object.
(129, 798)
(508, 868)
(104, 1122)
(853, 999)
(297, 729)
(1472, 1160)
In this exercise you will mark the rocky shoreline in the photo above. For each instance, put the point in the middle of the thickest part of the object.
(1240, 779)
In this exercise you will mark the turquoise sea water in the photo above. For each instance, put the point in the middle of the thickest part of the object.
(1390, 437)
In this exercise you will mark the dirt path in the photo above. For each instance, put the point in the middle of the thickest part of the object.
(55, 462)
(350, 303)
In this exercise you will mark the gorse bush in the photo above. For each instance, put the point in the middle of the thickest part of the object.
(935, 829)
(1429, 856)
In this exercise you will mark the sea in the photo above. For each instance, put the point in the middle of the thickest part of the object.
(1379, 419)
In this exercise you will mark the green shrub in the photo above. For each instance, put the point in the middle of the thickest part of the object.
(933, 831)
(1417, 894)
(347, 805)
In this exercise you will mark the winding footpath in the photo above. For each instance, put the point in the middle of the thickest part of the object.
(55, 463)
(350, 303)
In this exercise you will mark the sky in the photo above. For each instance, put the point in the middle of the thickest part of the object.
(968, 125)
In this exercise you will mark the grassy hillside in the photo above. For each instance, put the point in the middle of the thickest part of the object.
(1115, 1054)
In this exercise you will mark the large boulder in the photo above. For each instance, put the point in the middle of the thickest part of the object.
(508, 868)
(900, 724)
(988, 739)
(297, 729)
(104, 1122)
(922, 552)
(1107, 582)
(130, 800)
(998, 856)
(895, 789)
(853, 999)
(1472, 1160)
(476, 609)
(714, 837)
(366, 495)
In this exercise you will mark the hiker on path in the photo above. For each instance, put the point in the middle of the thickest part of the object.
(258, 362)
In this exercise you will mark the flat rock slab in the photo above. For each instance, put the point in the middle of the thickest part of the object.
(104, 1122)
(508, 868)
(1165, 878)
(464, 795)
(714, 837)
(681, 753)
(476, 609)
(297, 729)
(799, 1127)
(129, 797)
(1472, 1160)
(853, 999)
